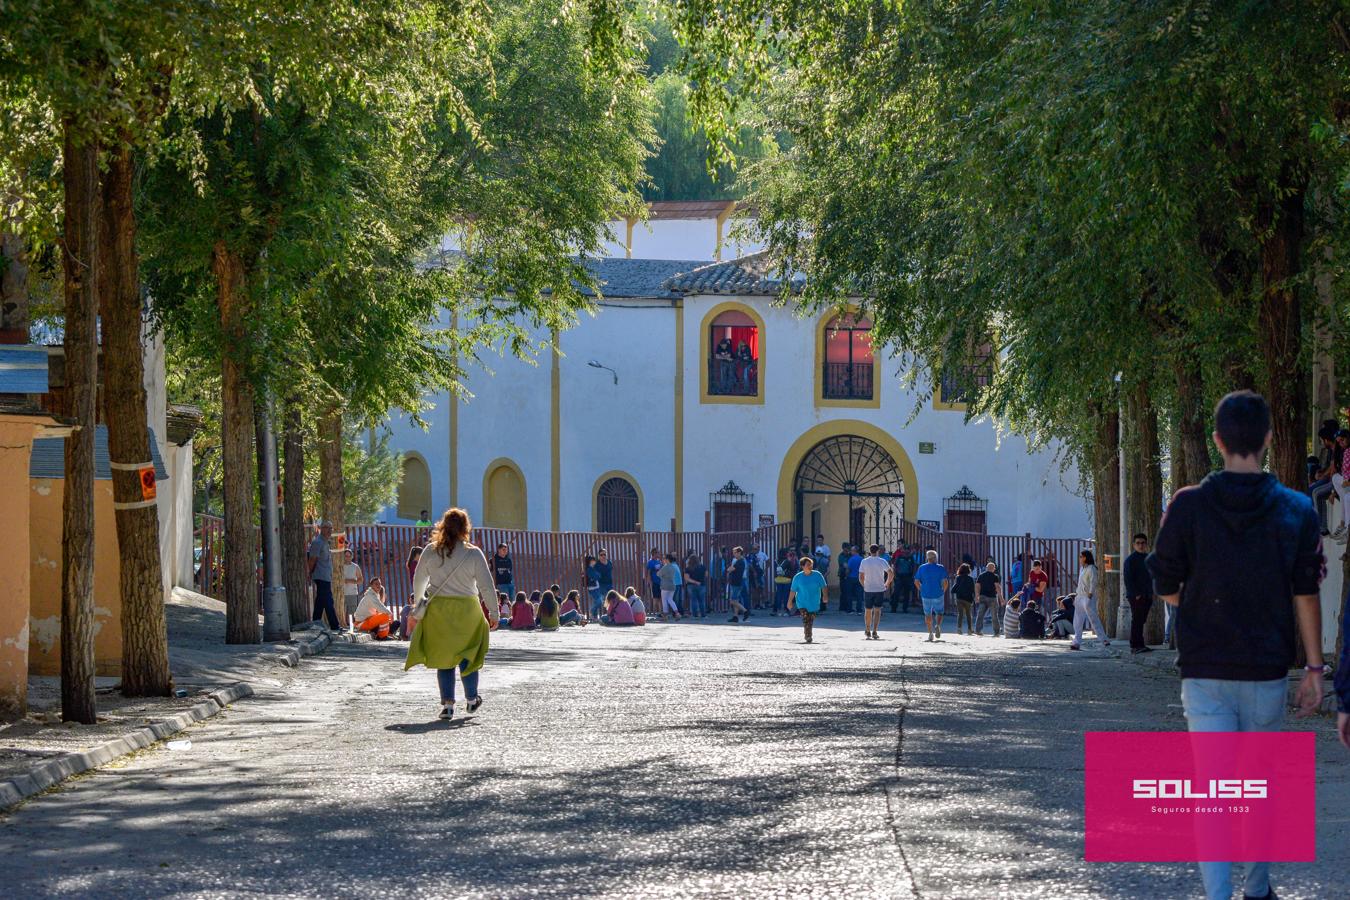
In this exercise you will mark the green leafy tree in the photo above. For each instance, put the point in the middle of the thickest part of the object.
(291, 242)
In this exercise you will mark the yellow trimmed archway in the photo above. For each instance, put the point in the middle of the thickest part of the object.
(414, 487)
(504, 498)
(787, 475)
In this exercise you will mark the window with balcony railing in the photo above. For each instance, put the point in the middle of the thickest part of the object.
(958, 383)
(733, 360)
(847, 371)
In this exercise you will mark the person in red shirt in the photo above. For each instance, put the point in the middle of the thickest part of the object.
(1038, 581)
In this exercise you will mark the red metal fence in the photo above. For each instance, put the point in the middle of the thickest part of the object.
(543, 558)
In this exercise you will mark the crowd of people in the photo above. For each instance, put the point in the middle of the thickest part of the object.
(867, 580)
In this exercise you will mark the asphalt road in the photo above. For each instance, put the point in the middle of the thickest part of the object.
(685, 760)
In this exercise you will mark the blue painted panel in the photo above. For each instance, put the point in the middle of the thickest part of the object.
(49, 460)
(23, 370)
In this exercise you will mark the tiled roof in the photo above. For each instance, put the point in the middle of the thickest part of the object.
(49, 457)
(752, 274)
(619, 278)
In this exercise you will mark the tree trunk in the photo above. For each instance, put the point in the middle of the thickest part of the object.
(241, 534)
(145, 640)
(1143, 480)
(81, 264)
(14, 300)
(333, 496)
(1192, 431)
(1280, 334)
(293, 514)
(1106, 509)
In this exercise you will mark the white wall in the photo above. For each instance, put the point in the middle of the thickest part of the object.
(630, 427)
(175, 504)
(681, 239)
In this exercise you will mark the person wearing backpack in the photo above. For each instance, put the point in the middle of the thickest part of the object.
(903, 584)
(782, 580)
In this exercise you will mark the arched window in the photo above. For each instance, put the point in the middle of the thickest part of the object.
(733, 359)
(848, 359)
(504, 496)
(618, 508)
(414, 488)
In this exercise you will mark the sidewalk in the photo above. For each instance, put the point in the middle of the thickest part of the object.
(203, 666)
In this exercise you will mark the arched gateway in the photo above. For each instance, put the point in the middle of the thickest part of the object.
(850, 485)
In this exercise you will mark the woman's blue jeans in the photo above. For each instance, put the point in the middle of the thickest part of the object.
(446, 679)
(698, 599)
(780, 596)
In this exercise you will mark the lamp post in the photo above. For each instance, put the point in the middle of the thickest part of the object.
(1123, 607)
(596, 364)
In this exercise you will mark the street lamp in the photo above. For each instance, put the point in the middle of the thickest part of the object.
(596, 364)
(1123, 606)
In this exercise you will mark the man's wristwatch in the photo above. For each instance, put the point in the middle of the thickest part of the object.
(1318, 669)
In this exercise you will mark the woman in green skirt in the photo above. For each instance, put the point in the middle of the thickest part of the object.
(452, 631)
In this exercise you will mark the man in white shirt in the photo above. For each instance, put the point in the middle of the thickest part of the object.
(822, 548)
(875, 574)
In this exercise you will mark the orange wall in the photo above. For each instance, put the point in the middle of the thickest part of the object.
(44, 649)
(16, 441)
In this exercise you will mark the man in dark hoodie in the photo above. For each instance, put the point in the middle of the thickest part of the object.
(1240, 557)
(1138, 592)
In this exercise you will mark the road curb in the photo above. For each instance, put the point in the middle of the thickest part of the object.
(54, 771)
(304, 647)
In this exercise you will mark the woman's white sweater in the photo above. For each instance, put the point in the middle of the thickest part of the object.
(462, 573)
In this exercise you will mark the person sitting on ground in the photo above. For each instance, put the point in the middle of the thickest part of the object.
(1012, 626)
(503, 610)
(619, 612)
(1032, 622)
(1061, 620)
(372, 616)
(569, 613)
(639, 608)
(547, 617)
(522, 612)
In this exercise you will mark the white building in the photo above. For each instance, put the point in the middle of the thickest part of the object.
(634, 419)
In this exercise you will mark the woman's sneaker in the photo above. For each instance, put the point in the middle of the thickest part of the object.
(473, 706)
(447, 712)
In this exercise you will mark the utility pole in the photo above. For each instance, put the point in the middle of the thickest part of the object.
(276, 613)
(1123, 610)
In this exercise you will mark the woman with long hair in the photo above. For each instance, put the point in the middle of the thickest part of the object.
(1085, 602)
(461, 598)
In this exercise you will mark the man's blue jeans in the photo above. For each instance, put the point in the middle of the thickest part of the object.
(446, 679)
(509, 590)
(698, 599)
(1212, 704)
(597, 602)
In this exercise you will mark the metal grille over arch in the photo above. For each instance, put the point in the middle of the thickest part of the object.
(616, 506)
(862, 471)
